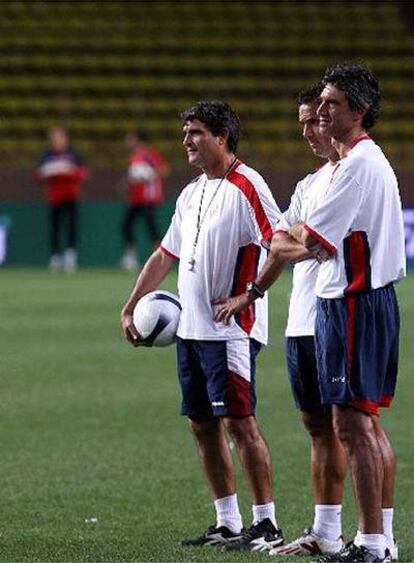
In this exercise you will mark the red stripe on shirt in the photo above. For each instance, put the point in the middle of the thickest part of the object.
(357, 262)
(168, 253)
(247, 187)
(355, 142)
(246, 271)
(330, 249)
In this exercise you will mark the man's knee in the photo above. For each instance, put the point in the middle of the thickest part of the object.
(243, 429)
(204, 429)
(351, 424)
(319, 425)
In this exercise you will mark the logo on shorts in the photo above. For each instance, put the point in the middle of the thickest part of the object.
(338, 380)
(217, 404)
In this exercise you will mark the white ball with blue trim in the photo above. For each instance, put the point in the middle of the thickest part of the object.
(156, 318)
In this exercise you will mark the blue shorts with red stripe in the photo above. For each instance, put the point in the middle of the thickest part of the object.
(357, 342)
(217, 377)
(303, 372)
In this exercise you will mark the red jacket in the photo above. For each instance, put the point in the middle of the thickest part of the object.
(62, 173)
(144, 177)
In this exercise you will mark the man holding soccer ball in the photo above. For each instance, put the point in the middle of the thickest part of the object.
(222, 220)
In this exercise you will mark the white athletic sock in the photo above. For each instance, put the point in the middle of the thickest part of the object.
(375, 543)
(327, 521)
(228, 513)
(387, 517)
(262, 511)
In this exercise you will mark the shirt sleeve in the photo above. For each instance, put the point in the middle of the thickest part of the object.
(171, 243)
(292, 215)
(332, 220)
(264, 215)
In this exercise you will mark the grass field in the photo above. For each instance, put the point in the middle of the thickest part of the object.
(97, 464)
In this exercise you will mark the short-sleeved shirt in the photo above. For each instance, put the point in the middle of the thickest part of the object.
(238, 216)
(144, 178)
(360, 223)
(63, 173)
(306, 197)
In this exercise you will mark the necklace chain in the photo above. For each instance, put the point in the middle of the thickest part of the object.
(200, 220)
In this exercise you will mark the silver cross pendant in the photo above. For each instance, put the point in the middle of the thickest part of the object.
(191, 264)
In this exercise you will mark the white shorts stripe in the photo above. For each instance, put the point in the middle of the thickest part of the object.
(238, 357)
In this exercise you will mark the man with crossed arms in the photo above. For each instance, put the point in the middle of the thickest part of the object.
(328, 469)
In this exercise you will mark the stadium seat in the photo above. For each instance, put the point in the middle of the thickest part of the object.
(104, 68)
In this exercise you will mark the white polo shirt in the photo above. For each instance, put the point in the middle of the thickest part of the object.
(360, 223)
(306, 197)
(237, 219)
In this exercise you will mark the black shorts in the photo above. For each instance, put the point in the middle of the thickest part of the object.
(303, 372)
(217, 377)
(357, 342)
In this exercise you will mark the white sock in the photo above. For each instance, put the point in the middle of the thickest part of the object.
(228, 513)
(387, 516)
(327, 521)
(357, 540)
(262, 511)
(375, 543)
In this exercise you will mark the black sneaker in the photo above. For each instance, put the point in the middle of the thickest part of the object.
(262, 536)
(214, 536)
(354, 554)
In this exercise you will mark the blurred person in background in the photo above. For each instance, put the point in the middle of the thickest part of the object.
(62, 170)
(146, 171)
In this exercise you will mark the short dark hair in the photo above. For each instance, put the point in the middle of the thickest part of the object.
(361, 89)
(310, 95)
(219, 117)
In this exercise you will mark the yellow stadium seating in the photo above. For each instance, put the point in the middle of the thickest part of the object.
(102, 68)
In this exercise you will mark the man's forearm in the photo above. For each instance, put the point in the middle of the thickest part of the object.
(270, 272)
(284, 249)
(154, 271)
(302, 236)
(317, 249)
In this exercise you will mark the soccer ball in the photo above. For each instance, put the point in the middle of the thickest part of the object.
(156, 318)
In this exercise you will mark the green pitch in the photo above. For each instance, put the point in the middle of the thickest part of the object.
(95, 462)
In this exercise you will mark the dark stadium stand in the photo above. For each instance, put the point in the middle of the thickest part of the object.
(105, 67)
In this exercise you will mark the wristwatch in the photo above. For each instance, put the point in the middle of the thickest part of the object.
(254, 289)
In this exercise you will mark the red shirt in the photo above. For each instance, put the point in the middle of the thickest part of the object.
(144, 177)
(62, 174)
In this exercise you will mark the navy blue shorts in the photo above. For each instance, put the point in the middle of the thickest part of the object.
(303, 372)
(357, 342)
(217, 377)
